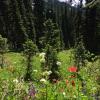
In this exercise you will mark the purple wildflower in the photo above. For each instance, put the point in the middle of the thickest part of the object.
(32, 90)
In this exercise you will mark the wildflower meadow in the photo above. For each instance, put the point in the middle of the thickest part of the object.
(72, 84)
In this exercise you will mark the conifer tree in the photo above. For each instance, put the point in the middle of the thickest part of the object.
(79, 44)
(97, 28)
(30, 50)
(39, 9)
(17, 22)
(90, 27)
(17, 30)
(51, 60)
(50, 15)
(29, 20)
(4, 7)
(52, 35)
(52, 46)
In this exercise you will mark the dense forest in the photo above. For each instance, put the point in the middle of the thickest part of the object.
(20, 19)
(49, 49)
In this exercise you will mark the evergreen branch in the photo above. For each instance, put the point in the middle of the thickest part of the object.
(92, 4)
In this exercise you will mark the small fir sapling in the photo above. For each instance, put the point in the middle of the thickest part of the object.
(51, 62)
(30, 50)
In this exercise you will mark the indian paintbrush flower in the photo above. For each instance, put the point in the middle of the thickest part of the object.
(72, 69)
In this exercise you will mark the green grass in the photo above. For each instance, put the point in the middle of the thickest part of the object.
(17, 62)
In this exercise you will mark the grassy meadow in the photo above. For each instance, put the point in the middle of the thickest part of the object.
(82, 85)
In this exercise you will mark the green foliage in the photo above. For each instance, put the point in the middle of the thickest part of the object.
(79, 52)
(29, 20)
(16, 27)
(30, 50)
(52, 35)
(12, 84)
(51, 62)
(92, 3)
(17, 18)
(91, 79)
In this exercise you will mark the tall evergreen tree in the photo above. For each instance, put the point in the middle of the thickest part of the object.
(17, 35)
(98, 27)
(90, 27)
(39, 9)
(30, 20)
(52, 35)
(67, 28)
(4, 6)
(50, 15)
(17, 21)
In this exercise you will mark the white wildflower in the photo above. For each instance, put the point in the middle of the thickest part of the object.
(15, 80)
(43, 81)
(42, 60)
(42, 55)
(46, 73)
(58, 63)
(35, 70)
(74, 96)
(64, 94)
(49, 72)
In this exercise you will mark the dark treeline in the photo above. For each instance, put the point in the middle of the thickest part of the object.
(23, 19)
(16, 21)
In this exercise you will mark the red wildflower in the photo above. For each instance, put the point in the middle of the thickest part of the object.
(73, 83)
(72, 69)
(67, 82)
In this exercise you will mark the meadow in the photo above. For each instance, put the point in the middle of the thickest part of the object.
(72, 85)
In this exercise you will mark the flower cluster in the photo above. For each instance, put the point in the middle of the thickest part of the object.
(32, 91)
(15, 81)
(42, 60)
(58, 63)
(46, 73)
(42, 56)
(35, 70)
(73, 70)
(43, 81)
